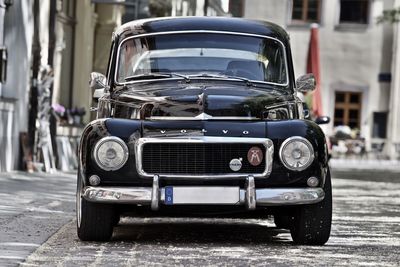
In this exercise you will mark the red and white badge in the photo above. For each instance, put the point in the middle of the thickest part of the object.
(255, 156)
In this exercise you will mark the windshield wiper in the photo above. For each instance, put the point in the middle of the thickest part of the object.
(207, 75)
(156, 75)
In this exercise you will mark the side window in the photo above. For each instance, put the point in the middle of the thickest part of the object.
(379, 125)
(306, 11)
(354, 11)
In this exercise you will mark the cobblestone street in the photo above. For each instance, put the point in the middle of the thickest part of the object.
(365, 231)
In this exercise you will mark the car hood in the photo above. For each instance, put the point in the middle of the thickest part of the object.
(200, 101)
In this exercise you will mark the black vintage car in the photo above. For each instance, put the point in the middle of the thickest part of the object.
(199, 116)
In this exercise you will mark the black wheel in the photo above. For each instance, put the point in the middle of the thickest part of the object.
(116, 218)
(312, 223)
(282, 221)
(94, 221)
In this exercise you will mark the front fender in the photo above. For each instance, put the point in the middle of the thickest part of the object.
(279, 131)
(127, 130)
(91, 133)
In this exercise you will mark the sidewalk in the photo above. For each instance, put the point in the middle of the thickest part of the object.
(33, 207)
(365, 164)
(40, 176)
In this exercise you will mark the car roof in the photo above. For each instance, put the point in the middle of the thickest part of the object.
(227, 24)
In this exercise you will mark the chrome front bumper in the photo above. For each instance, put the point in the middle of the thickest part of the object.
(250, 197)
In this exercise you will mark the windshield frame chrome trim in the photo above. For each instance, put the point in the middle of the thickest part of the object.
(116, 82)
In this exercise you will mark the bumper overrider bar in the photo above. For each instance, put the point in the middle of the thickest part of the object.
(249, 196)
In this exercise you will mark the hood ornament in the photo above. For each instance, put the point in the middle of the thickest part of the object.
(203, 116)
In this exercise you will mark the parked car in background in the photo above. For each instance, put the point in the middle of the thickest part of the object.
(198, 116)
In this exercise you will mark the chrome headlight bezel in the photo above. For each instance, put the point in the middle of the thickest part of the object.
(296, 139)
(121, 143)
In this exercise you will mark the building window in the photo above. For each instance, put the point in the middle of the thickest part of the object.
(379, 124)
(306, 11)
(66, 17)
(354, 11)
(348, 109)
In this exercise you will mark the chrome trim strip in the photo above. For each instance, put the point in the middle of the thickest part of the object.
(122, 195)
(201, 31)
(268, 144)
(250, 193)
(205, 118)
(269, 156)
(263, 197)
(283, 104)
(155, 193)
(289, 196)
(307, 143)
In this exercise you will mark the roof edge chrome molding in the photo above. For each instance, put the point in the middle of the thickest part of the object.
(268, 144)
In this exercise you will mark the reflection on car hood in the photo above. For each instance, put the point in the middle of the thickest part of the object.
(200, 101)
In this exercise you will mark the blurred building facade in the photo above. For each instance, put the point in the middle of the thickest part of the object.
(358, 63)
(83, 31)
(360, 67)
(16, 30)
(72, 38)
(82, 42)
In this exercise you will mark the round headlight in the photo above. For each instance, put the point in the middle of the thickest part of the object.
(296, 153)
(111, 153)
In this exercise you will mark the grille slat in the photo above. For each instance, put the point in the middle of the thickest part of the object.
(197, 158)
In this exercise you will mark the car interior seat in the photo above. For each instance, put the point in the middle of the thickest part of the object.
(250, 69)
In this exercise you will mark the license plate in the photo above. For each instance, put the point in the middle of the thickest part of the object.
(201, 195)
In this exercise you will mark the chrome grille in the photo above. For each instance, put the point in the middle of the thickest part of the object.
(201, 157)
(197, 158)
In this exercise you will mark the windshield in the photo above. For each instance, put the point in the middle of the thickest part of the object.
(197, 54)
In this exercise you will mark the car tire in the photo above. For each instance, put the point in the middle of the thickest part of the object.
(282, 221)
(312, 223)
(94, 221)
(116, 218)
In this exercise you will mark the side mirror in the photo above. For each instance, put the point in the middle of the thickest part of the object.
(322, 120)
(97, 81)
(306, 83)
